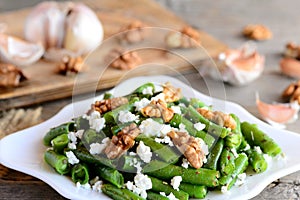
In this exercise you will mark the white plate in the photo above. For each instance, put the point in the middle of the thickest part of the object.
(23, 151)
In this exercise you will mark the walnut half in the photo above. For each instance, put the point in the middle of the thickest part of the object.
(10, 75)
(70, 64)
(218, 117)
(171, 93)
(124, 60)
(106, 105)
(257, 32)
(186, 38)
(134, 32)
(158, 109)
(292, 92)
(189, 146)
(121, 142)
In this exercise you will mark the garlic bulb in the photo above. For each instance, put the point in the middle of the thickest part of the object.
(71, 26)
(237, 66)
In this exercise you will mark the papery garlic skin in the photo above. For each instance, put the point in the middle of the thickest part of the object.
(84, 31)
(69, 25)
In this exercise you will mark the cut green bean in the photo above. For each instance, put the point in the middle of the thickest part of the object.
(241, 163)
(155, 196)
(196, 103)
(256, 137)
(194, 191)
(56, 131)
(234, 138)
(91, 136)
(226, 162)
(119, 193)
(201, 176)
(81, 123)
(214, 155)
(210, 127)
(257, 161)
(57, 161)
(60, 142)
(140, 89)
(109, 174)
(80, 173)
(108, 95)
(164, 152)
(160, 186)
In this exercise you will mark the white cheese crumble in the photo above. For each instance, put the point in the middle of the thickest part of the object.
(160, 96)
(95, 121)
(127, 116)
(135, 163)
(182, 105)
(71, 145)
(144, 152)
(175, 182)
(148, 90)
(240, 179)
(171, 196)
(204, 146)
(79, 133)
(97, 148)
(72, 137)
(166, 140)
(176, 109)
(199, 126)
(97, 186)
(141, 104)
(72, 159)
(86, 186)
(158, 88)
(182, 127)
(151, 128)
(185, 163)
(258, 149)
(141, 184)
(247, 147)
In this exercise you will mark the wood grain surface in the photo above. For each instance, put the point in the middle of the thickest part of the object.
(46, 84)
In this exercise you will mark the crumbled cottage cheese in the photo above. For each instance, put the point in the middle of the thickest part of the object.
(166, 140)
(72, 140)
(79, 133)
(176, 109)
(127, 116)
(95, 121)
(97, 186)
(160, 96)
(72, 145)
(72, 159)
(150, 128)
(199, 126)
(182, 127)
(141, 104)
(185, 163)
(175, 182)
(148, 90)
(144, 152)
(97, 148)
(135, 163)
(240, 179)
(171, 196)
(141, 184)
(86, 186)
(258, 149)
(158, 88)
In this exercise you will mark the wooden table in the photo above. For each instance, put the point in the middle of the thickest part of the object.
(224, 20)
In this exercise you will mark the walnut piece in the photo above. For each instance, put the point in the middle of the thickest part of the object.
(158, 109)
(121, 142)
(10, 75)
(124, 60)
(171, 93)
(292, 50)
(292, 92)
(70, 64)
(189, 146)
(218, 117)
(186, 38)
(133, 32)
(106, 105)
(257, 32)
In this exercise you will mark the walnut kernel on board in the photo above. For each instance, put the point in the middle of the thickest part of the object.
(292, 92)
(257, 32)
(133, 32)
(10, 75)
(187, 37)
(70, 64)
(124, 60)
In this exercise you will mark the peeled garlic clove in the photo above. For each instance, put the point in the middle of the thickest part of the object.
(278, 113)
(290, 67)
(19, 52)
(45, 25)
(84, 32)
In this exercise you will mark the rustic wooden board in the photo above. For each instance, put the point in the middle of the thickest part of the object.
(45, 84)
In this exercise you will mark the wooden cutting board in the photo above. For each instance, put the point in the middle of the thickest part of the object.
(45, 84)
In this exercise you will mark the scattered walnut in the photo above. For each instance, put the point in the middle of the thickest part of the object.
(124, 60)
(106, 105)
(218, 117)
(70, 64)
(10, 75)
(292, 92)
(133, 33)
(189, 146)
(121, 142)
(257, 32)
(186, 38)
(158, 109)
(171, 93)
(292, 50)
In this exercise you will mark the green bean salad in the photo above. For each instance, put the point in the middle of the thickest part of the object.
(154, 143)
